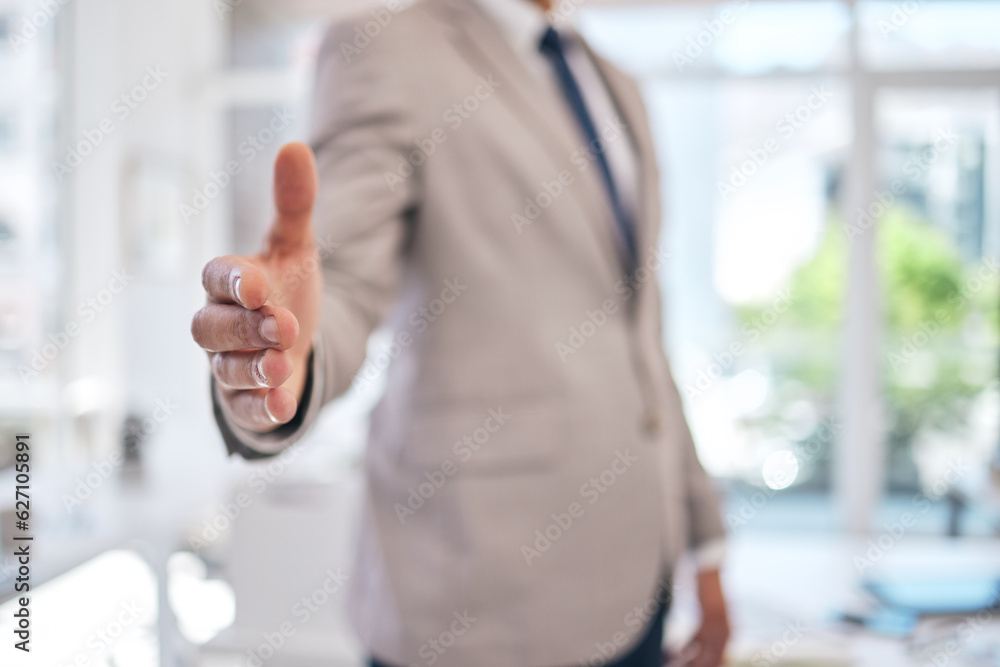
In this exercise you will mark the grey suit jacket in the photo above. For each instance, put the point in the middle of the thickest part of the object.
(530, 474)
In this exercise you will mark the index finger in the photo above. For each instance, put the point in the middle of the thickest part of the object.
(235, 279)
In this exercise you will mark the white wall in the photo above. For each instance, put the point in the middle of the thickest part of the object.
(139, 347)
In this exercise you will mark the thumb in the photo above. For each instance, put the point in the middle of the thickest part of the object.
(295, 183)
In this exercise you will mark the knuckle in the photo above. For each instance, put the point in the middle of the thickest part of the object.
(248, 411)
(219, 366)
(248, 369)
(243, 329)
(206, 272)
(198, 327)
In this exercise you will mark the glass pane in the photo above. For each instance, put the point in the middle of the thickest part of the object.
(756, 278)
(738, 37)
(939, 236)
(930, 35)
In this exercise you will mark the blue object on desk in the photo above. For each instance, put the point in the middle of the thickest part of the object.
(884, 621)
(937, 596)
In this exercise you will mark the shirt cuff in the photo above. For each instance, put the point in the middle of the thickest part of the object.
(710, 555)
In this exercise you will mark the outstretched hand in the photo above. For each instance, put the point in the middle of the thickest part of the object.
(258, 323)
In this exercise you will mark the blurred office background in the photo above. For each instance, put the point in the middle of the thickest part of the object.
(831, 173)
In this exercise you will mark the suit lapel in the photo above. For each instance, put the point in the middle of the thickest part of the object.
(541, 110)
(630, 109)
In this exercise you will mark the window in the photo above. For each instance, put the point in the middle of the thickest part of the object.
(930, 34)
(938, 250)
(762, 113)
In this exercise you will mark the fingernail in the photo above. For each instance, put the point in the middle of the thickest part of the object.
(267, 411)
(258, 370)
(235, 281)
(269, 330)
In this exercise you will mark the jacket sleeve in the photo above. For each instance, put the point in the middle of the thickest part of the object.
(362, 120)
(705, 531)
(705, 526)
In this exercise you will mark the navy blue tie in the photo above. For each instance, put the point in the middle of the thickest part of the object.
(552, 46)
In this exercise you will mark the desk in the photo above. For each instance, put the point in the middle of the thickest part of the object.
(786, 589)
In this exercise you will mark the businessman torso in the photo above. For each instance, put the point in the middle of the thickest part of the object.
(530, 474)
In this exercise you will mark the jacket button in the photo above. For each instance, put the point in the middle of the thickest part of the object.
(651, 424)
